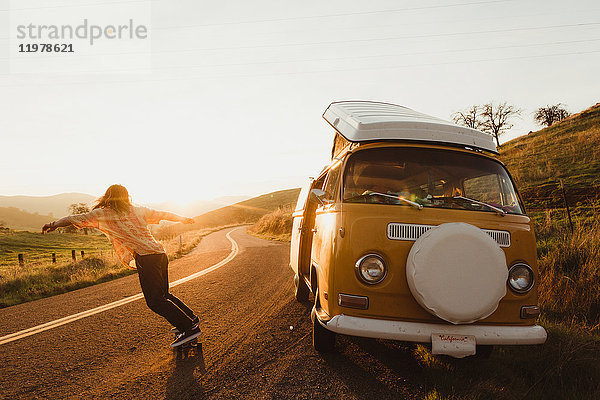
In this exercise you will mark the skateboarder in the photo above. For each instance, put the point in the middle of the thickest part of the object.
(126, 227)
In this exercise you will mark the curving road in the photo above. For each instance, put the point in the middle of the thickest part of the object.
(256, 341)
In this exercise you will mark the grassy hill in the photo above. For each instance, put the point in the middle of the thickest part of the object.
(31, 212)
(569, 150)
(56, 205)
(197, 207)
(245, 212)
(38, 248)
(14, 218)
(569, 273)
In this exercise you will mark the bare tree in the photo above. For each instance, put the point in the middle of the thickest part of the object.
(496, 119)
(78, 208)
(550, 114)
(74, 209)
(468, 117)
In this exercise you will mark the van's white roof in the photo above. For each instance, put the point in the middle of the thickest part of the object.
(360, 121)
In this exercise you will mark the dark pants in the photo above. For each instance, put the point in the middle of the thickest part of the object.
(154, 279)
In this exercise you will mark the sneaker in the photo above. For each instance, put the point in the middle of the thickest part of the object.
(195, 321)
(187, 336)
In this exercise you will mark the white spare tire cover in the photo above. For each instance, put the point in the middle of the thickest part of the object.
(457, 272)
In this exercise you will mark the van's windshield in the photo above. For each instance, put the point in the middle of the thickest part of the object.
(431, 178)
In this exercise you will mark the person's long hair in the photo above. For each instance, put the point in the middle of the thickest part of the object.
(116, 198)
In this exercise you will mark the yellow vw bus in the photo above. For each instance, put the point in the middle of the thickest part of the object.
(414, 232)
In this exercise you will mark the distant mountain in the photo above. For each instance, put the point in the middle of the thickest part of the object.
(243, 212)
(26, 212)
(56, 205)
(198, 207)
(16, 219)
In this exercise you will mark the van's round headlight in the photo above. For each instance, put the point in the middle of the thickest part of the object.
(520, 278)
(371, 268)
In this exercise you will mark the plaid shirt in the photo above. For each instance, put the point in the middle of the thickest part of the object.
(128, 233)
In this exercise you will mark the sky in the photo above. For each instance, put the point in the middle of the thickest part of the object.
(225, 98)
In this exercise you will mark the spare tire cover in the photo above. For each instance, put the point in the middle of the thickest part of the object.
(457, 272)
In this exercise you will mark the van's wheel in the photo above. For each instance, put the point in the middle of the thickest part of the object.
(484, 351)
(323, 339)
(302, 291)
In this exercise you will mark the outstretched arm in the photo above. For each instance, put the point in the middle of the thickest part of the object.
(154, 216)
(87, 220)
(175, 218)
(61, 223)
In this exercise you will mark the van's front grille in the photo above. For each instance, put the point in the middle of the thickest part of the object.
(502, 237)
(396, 231)
(406, 231)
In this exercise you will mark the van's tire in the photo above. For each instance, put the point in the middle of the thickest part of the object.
(323, 339)
(302, 291)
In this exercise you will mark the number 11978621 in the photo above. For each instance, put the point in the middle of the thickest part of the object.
(46, 48)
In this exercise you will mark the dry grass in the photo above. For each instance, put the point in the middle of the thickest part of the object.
(569, 150)
(565, 367)
(569, 286)
(276, 225)
(39, 277)
(38, 248)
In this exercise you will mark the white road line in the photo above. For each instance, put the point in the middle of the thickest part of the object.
(71, 318)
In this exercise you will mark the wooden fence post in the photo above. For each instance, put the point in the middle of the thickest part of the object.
(21, 260)
(564, 193)
(82, 254)
(53, 258)
(73, 255)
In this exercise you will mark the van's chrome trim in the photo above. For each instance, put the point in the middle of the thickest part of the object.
(421, 331)
(398, 231)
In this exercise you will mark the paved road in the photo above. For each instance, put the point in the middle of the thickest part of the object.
(256, 341)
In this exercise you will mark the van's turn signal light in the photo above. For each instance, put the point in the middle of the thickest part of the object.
(530, 312)
(352, 301)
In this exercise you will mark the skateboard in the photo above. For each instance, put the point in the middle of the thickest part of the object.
(187, 350)
(191, 343)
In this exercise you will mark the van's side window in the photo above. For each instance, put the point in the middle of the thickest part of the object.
(303, 196)
(331, 182)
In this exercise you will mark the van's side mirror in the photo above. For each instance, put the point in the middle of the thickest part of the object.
(317, 194)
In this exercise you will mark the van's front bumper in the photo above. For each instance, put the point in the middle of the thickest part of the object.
(421, 332)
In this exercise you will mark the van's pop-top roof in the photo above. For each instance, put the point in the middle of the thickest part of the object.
(362, 121)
